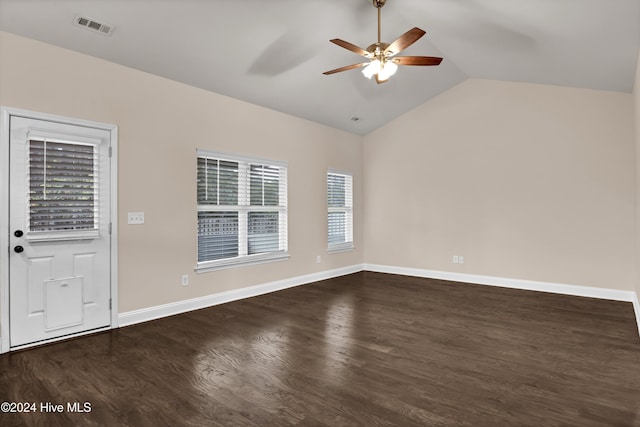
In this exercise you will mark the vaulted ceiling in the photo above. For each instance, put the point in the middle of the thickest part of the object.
(273, 52)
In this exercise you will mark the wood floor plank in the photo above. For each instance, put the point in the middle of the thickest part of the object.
(366, 349)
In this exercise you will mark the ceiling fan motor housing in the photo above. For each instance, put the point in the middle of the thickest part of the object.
(377, 49)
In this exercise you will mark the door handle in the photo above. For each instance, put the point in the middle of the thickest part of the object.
(18, 233)
(18, 249)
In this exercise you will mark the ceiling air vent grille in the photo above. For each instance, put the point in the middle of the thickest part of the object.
(93, 25)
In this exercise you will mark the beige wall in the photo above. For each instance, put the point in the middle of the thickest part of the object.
(161, 123)
(525, 181)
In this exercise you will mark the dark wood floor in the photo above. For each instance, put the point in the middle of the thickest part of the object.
(366, 349)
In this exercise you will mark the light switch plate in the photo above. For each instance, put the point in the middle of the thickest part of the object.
(135, 218)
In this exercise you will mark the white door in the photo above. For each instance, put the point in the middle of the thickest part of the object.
(59, 225)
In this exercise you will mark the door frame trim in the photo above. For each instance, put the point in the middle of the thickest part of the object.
(5, 114)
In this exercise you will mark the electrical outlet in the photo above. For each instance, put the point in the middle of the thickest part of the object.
(135, 218)
(318, 259)
(460, 259)
(185, 280)
(456, 259)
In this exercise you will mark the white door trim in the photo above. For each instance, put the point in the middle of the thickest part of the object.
(5, 114)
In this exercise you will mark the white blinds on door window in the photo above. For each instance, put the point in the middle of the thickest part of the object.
(242, 209)
(340, 214)
(63, 186)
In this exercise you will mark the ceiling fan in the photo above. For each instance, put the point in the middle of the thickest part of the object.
(382, 60)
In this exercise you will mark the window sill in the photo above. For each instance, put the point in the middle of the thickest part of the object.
(222, 264)
(343, 247)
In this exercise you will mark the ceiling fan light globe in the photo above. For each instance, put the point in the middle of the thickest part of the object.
(371, 69)
(387, 70)
(390, 67)
(383, 76)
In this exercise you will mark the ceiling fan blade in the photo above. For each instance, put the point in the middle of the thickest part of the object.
(348, 67)
(417, 60)
(351, 47)
(404, 41)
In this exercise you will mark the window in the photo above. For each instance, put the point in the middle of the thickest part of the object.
(63, 189)
(242, 210)
(340, 215)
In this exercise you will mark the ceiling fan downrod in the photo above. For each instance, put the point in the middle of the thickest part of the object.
(378, 4)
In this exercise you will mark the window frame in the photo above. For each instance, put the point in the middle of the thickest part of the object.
(347, 209)
(244, 208)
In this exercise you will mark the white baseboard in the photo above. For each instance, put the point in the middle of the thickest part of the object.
(152, 313)
(636, 308)
(530, 285)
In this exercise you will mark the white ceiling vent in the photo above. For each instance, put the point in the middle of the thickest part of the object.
(93, 25)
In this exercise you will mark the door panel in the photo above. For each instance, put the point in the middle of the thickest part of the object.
(59, 262)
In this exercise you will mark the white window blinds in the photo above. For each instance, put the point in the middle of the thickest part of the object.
(340, 210)
(63, 186)
(242, 209)
(217, 228)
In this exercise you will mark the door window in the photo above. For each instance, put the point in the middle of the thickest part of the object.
(63, 188)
